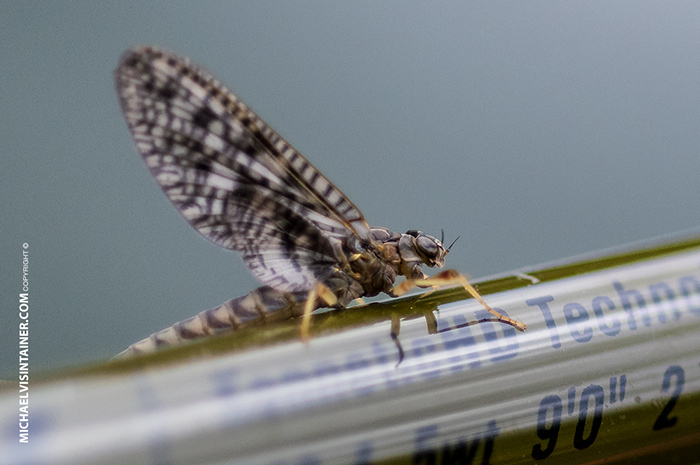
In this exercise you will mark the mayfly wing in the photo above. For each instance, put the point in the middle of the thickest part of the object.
(229, 174)
(186, 102)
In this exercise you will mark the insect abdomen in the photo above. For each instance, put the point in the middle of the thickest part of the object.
(262, 305)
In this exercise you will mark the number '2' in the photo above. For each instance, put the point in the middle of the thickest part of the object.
(664, 421)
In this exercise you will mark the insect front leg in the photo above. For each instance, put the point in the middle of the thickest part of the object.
(448, 277)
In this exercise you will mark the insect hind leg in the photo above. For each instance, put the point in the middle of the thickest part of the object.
(319, 290)
(448, 277)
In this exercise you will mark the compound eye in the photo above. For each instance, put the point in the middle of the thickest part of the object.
(428, 246)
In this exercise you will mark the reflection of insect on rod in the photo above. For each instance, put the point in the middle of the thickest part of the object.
(245, 188)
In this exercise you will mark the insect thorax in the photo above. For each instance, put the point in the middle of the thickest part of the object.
(375, 265)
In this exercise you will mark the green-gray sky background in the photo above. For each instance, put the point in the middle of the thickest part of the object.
(536, 130)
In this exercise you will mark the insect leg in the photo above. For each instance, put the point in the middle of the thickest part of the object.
(319, 290)
(395, 329)
(448, 277)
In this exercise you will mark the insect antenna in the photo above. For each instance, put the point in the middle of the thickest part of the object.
(453, 242)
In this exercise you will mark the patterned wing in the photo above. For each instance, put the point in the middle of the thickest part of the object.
(230, 175)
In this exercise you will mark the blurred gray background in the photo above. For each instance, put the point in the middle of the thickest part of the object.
(535, 130)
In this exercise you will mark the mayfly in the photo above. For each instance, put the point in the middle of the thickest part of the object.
(245, 188)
